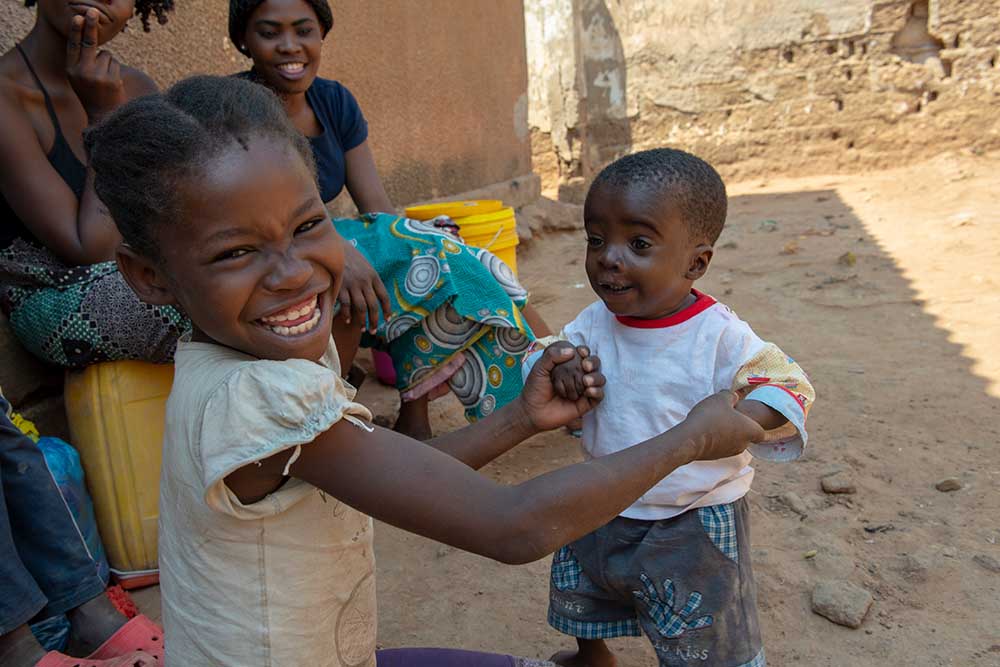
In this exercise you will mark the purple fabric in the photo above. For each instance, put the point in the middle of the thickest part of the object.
(440, 657)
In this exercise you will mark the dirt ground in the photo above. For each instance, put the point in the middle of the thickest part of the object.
(885, 287)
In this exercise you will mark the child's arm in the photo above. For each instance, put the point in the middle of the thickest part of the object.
(420, 489)
(768, 418)
(478, 444)
(776, 392)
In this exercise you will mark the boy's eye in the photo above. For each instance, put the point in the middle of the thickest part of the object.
(641, 244)
(232, 254)
(595, 241)
(303, 32)
(306, 226)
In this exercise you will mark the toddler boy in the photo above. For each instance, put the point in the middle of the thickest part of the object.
(674, 566)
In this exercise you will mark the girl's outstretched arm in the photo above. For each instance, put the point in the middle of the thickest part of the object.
(539, 410)
(420, 489)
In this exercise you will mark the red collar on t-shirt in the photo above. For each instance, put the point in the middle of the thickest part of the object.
(701, 302)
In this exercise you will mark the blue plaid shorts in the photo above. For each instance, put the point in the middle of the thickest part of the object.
(684, 582)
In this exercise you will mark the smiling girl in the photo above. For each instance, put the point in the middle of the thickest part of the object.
(271, 470)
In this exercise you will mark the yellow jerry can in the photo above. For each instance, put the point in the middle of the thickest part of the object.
(116, 418)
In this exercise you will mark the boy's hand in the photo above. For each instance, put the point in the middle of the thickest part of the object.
(765, 415)
(567, 377)
(543, 406)
(719, 430)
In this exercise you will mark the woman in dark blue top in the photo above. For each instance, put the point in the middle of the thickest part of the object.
(438, 337)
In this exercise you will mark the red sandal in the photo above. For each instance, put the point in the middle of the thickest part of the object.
(139, 634)
(138, 643)
(133, 659)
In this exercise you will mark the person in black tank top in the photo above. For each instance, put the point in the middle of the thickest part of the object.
(59, 285)
(62, 158)
(67, 304)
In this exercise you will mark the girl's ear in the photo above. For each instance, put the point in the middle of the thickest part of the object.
(701, 257)
(144, 276)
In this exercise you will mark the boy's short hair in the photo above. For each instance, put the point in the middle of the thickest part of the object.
(686, 181)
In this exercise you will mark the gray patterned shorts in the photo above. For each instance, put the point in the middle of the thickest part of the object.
(685, 582)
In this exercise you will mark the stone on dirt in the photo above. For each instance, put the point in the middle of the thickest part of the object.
(987, 562)
(842, 602)
(838, 483)
(793, 502)
(948, 484)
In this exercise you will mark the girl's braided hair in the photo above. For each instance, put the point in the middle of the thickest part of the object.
(148, 148)
(240, 11)
(143, 9)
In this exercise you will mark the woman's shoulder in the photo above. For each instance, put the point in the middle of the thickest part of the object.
(332, 92)
(137, 83)
(17, 88)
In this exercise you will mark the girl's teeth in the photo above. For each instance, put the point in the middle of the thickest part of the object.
(298, 328)
(291, 314)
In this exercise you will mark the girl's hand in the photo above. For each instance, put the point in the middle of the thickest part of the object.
(362, 291)
(543, 407)
(719, 429)
(94, 75)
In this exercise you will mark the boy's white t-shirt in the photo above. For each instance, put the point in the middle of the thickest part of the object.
(288, 580)
(657, 370)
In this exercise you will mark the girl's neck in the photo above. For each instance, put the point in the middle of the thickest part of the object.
(46, 49)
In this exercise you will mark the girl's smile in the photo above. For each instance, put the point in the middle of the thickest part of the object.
(254, 261)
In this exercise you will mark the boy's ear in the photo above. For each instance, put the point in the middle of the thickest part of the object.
(144, 277)
(701, 257)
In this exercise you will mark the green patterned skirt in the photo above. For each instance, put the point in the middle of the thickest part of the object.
(456, 318)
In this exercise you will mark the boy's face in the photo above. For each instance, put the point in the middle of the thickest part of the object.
(255, 262)
(640, 259)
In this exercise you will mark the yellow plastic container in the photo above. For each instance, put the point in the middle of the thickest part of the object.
(495, 231)
(454, 209)
(116, 418)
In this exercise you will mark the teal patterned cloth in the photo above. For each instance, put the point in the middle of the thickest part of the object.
(455, 310)
(74, 316)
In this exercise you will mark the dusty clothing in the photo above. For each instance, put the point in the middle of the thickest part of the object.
(288, 580)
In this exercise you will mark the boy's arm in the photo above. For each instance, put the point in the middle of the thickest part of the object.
(778, 395)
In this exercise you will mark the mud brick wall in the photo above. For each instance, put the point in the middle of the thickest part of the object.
(768, 87)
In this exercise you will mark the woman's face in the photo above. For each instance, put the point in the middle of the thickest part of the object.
(285, 40)
(114, 14)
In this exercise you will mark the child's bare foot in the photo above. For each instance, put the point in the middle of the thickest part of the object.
(591, 653)
(414, 420)
(92, 624)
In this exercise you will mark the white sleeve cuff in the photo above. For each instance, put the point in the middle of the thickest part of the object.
(787, 447)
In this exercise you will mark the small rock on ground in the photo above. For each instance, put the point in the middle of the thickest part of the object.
(842, 602)
(987, 562)
(838, 483)
(948, 484)
(793, 502)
